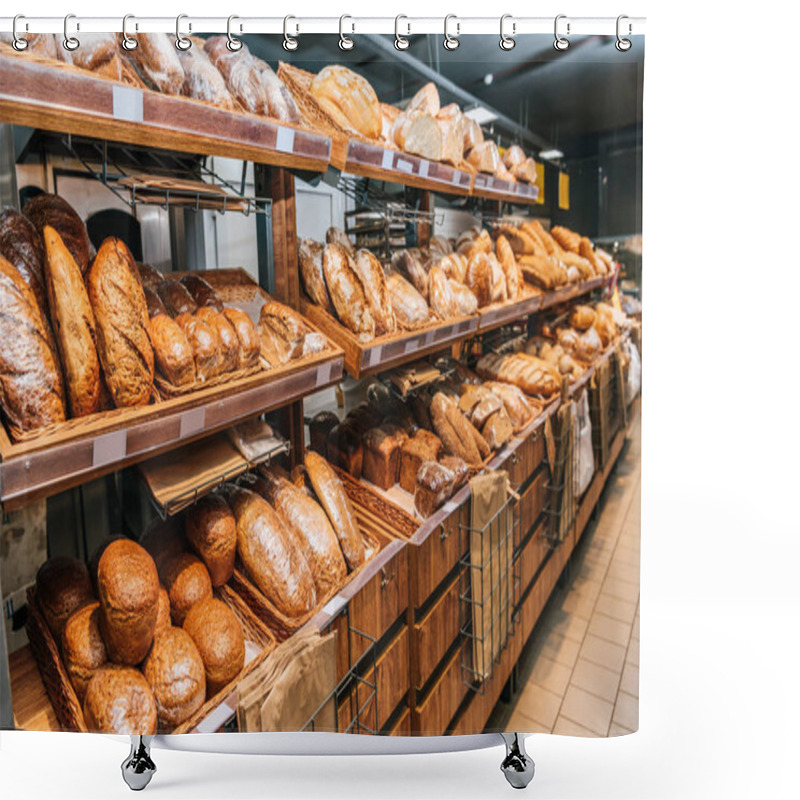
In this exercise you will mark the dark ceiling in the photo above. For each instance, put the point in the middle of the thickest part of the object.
(566, 98)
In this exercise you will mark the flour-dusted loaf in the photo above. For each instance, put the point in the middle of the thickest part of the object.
(271, 560)
(82, 647)
(336, 235)
(218, 637)
(454, 429)
(201, 79)
(187, 582)
(204, 341)
(174, 669)
(247, 334)
(466, 301)
(157, 62)
(347, 292)
(73, 325)
(479, 277)
(32, 393)
(415, 267)
(531, 374)
(120, 311)
(410, 308)
(127, 587)
(309, 257)
(240, 72)
(172, 351)
(441, 295)
(62, 587)
(55, 211)
(226, 337)
(511, 270)
(119, 700)
(333, 497)
(497, 430)
(373, 279)
(176, 297)
(211, 531)
(280, 104)
(348, 99)
(21, 244)
(517, 405)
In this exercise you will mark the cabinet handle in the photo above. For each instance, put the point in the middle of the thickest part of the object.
(386, 579)
(515, 458)
(444, 534)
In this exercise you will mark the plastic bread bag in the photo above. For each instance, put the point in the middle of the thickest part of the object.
(583, 451)
(634, 371)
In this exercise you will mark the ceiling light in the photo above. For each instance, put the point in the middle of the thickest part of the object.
(551, 155)
(480, 114)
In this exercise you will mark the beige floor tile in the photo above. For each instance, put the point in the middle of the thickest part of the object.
(622, 589)
(551, 675)
(625, 572)
(635, 629)
(611, 629)
(567, 625)
(631, 540)
(632, 656)
(566, 727)
(619, 730)
(626, 711)
(560, 649)
(595, 679)
(587, 710)
(630, 679)
(578, 605)
(520, 722)
(615, 608)
(606, 654)
(586, 587)
(539, 704)
(627, 556)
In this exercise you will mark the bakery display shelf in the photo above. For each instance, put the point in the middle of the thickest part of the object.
(390, 350)
(498, 314)
(491, 188)
(573, 290)
(53, 98)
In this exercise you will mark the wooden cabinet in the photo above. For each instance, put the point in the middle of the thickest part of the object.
(433, 714)
(534, 550)
(436, 632)
(402, 726)
(392, 681)
(532, 502)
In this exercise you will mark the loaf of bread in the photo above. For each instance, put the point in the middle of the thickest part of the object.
(454, 430)
(204, 341)
(172, 351)
(543, 271)
(422, 446)
(73, 325)
(120, 311)
(473, 135)
(345, 449)
(201, 79)
(458, 467)
(478, 403)
(485, 157)
(516, 404)
(156, 60)
(265, 548)
(247, 336)
(163, 614)
(55, 211)
(62, 587)
(582, 317)
(465, 300)
(309, 257)
(336, 235)
(149, 276)
(451, 123)
(414, 265)
(240, 72)
(433, 486)
(348, 99)
(82, 647)
(32, 393)
(119, 700)
(454, 265)
(280, 104)
(176, 298)
(202, 292)
(219, 639)
(337, 505)
(319, 428)
(287, 324)
(127, 586)
(155, 307)
(382, 455)
(226, 336)
(497, 430)
(499, 287)
(567, 239)
(419, 133)
(589, 344)
(410, 308)
(187, 582)
(525, 171)
(531, 374)
(174, 669)
(511, 270)
(442, 298)
(347, 292)
(211, 531)
(373, 279)
(479, 277)
(22, 246)
(311, 532)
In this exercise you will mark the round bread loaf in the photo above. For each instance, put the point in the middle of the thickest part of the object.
(119, 700)
(94, 561)
(82, 647)
(174, 670)
(187, 582)
(127, 586)
(211, 530)
(163, 618)
(219, 639)
(62, 587)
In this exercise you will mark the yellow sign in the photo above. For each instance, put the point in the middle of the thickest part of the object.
(563, 191)
(540, 181)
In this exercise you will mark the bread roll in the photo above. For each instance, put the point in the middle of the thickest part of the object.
(55, 211)
(82, 647)
(73, 325)
(119, 700)
(175, 672)
(347, 292)
(218, 637)
(22, 246)
(348, 99)
(127, 585)
(336, 503)
(211, 531)
(62, 587)
(582, 317)
(202, 292)
(247, 336)
(409, 306)
(226, 336)
(163, 616)
(187, 582)
(120, 310)
(157, 62)
(173, 354)
(265, 548)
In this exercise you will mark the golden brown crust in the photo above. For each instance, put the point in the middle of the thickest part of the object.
(566, 238)
(172, 351)
(120, 700)
(63, 585)
(479, 277)
(505, 255)
(204, 341)
(226, 335)
(21, 244)
(240, 72)
(373, 279)
(582, 317)
(156, 60)
(187, 582)
(211, 530)
(247, 334)
(309, 258)
(202, 292)
(410, 308)
(82, 647)
(55, 211)
(120, 311)
(176, 298)
(163, 617)
(347, 292)
(348, 99)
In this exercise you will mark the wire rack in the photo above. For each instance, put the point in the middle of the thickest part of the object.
(606, 406)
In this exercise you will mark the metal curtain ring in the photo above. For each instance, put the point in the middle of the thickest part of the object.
(181, 42)
(560, 43)
(19, 43)
(400, 42)
(623, 45)
(234, 44)
(128, 42)
(70, 42)
(506, 42)
(345, 42)
(451, 42)
(289, 42)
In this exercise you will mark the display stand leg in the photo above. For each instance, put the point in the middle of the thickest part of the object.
(138, 768)
(517, 766)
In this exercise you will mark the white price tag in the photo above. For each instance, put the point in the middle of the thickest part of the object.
(423, 168)
(449, 507)
(387, 162)
(405, 166)
(109, 447)
(334, 606)
(128, 104)
(285, 140)
(192, 421)
(324, 374)
(411, 345)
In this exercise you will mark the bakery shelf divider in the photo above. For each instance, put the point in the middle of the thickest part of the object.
(492, 188)
(571, 291)
(499, 314)
(67, 100)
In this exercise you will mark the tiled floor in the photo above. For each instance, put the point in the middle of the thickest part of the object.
(579, 672)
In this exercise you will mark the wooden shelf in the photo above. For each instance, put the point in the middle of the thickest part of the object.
(499, 314)
(73, 101)
(497, 189)
(573, 290)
